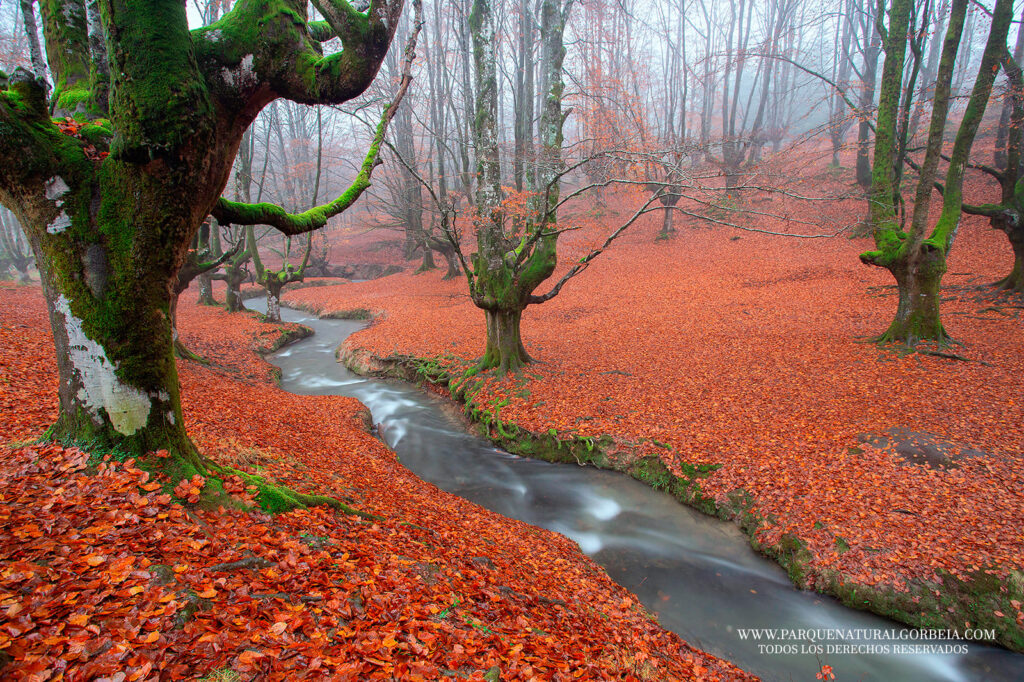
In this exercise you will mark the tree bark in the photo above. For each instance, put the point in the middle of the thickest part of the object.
(111, 231)
(872, 41)
(504, 350)
(917, 314)
(28, 14)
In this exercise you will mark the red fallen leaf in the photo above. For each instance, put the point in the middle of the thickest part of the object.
(121, 568)
(248, 658)
(278, 627)
(95, 559)
(79, 619)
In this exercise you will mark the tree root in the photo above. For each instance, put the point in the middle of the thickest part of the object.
(185, 354)
(276, 499)
(950, 356)
(251, 561)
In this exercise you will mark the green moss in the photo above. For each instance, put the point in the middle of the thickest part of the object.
(973, 600)
(70, 99)
(158, 100)
(275, 498)
(67, 42)
(97, 133)
(289, 336)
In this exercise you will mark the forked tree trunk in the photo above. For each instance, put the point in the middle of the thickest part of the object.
(506, 268)
(918, 263)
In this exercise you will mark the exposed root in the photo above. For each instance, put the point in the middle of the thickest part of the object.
(184, 353)
(276, 498)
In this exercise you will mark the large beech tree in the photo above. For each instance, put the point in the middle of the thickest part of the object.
(110, 232)
(915, 257)
(513, 257)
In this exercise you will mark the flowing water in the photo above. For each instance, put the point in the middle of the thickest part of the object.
(698, 574)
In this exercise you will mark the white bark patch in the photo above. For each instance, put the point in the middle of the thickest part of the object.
(126, 406)
(214, 35)
(59, 224)
(273, 308)
(56, 188)
(241, 75)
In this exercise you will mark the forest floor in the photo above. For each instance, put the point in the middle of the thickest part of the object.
(103, 575)
(890, 479)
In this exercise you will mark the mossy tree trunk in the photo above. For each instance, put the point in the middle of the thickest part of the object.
(881, 207)
(1008, 215)
(1015, 280)
(28, 14)
(110, 233)
(65, 30)
(505, 350)
(916, 259)
(510, 264)
(917, 312)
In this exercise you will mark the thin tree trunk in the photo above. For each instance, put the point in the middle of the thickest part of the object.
(28, 14)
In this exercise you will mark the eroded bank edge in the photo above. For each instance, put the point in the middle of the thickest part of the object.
(948, 604)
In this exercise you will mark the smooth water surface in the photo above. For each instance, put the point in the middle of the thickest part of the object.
(698, 574)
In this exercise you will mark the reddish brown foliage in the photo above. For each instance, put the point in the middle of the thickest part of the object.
(102, 572)
(744, 352)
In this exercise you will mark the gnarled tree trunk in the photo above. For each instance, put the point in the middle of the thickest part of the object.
(110, 232)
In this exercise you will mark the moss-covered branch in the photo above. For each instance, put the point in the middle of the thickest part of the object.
(264, 43)
(991, 59)
(239, 213)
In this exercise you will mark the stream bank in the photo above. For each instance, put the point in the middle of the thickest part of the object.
(695, 572)
(945, 605)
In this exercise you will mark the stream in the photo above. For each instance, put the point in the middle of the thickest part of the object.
(698, 574)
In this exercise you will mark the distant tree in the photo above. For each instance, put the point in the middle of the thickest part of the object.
(869, 45)
(1008, 214)
(15, 252)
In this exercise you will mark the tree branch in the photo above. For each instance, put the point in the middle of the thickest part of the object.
(584, 262)
(237, 213)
